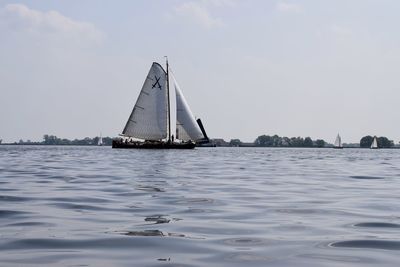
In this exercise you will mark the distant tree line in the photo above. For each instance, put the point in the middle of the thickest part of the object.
(277, 141)
(383, 142)
(54, 140)
(235, 142)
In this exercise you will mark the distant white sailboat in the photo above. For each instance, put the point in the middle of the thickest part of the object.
(100, 142)
(338, 142)
(374, 144)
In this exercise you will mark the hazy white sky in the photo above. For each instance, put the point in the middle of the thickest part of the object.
(293, 68)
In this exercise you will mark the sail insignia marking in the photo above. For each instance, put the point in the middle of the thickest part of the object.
(157, 83)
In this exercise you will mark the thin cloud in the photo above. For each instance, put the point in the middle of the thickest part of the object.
(220, 3)
(288, 7)
(199, 13)
(20, 18)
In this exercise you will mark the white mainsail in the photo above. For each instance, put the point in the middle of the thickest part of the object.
(186, 125)
(338, 141)
(149, 118)
(374, 143)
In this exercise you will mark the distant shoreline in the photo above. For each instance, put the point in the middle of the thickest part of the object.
(246, 146)
(261, 141)
(16, 144)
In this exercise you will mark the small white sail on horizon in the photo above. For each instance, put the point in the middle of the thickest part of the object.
(148, 119)
(338, 142)
(374, 144)
(100, 142)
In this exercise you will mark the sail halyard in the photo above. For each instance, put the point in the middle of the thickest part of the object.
(169, 103)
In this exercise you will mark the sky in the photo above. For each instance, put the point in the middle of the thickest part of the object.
(247, 68)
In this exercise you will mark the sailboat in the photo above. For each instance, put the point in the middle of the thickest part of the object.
(338, 142)
(151, 124)
(100, 142)
(374, 144)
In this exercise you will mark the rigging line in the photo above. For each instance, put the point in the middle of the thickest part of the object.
(168, 100)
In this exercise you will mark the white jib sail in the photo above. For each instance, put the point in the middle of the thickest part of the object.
(338, 141)
(148, 119)
(186, 125)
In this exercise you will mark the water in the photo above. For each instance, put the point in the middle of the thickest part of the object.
(94, 206)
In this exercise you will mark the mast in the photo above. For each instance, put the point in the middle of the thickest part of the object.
(169, 105)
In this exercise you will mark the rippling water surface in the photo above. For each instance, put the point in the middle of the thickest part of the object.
(95, 206)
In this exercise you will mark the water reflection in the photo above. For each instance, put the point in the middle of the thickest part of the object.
(373, 244)
(377, 225)
(148, 188)
(144, 233)
(364, 177)
(157, 219)
(75, 206)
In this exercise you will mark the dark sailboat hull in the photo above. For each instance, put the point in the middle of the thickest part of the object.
(152, 145)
